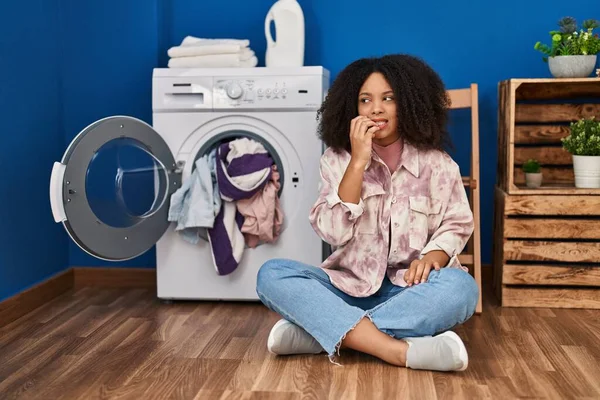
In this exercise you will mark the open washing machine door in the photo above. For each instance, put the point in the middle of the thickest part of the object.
(111, 189)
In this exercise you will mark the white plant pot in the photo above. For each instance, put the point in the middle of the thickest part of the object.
(533, 180)
(572, 66)
(587, 171)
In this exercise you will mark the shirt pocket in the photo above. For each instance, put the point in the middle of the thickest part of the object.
(423, 214)
(368, 222)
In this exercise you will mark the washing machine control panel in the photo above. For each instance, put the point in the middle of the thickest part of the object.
(287, 92)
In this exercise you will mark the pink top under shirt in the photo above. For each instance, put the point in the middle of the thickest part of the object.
(424, 204)
(390, 154)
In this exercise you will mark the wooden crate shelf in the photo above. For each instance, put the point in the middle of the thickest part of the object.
(547, 250)
(533, 117)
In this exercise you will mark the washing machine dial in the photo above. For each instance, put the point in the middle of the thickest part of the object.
(234, 90)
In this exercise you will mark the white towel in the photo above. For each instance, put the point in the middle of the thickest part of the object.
(204, 49)
(193, 51)
(191, 41)
(213, 61)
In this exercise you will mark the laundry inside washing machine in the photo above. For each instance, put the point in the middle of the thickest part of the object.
(231, 198)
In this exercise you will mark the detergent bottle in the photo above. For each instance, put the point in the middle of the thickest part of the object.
(288, 49)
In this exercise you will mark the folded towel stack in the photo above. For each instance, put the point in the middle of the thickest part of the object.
(196, 52)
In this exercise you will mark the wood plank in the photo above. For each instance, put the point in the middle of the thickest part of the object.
(498, 243)
(468, 182)
(520, 81)
(17, 306)
(564, 175)
(551, 275)
(459, 98)
(552, 205)
(114, 277)
(555, 112)
(510, 120)
(514, 296)
(465, 259)
(513, 353)
(555, 228)
(504, 124)
(558, 89)
(586, 363)
(475, 195)
(553, 189)
(545, 155)
(540, 134)
(530, 250)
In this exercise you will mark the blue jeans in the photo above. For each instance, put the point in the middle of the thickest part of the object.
(304, 295)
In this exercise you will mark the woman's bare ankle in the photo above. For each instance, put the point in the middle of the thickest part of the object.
(401, 352)
(396, 354)
(366, 338)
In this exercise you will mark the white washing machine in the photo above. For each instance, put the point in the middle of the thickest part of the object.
(112, 188)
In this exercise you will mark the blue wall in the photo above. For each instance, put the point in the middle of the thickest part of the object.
(32, 246)
(110, 48)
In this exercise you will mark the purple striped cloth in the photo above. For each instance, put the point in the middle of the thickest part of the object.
(243, 168)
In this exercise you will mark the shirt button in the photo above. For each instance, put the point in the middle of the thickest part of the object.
(396, 224)
(394, 199)
(395, 251)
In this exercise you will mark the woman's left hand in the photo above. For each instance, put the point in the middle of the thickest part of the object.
(418, 272)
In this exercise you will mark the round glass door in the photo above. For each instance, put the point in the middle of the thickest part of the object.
(125, 183)
(119, 176)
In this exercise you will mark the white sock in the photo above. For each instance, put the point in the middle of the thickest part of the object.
(444, 352)
(287, 338)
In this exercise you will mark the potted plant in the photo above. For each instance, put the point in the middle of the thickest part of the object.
(533, 174)
(583, 143)
(572, 53)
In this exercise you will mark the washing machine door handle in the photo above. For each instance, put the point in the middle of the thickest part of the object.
(56, 192)
(112, 188)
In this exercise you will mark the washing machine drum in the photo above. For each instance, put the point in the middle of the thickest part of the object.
(218, 140)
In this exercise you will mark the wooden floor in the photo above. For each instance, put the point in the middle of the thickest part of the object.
(123, 343)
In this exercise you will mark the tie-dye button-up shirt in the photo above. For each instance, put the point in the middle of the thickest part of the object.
(423, 202)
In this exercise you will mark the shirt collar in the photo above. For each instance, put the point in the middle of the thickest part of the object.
(409, 159)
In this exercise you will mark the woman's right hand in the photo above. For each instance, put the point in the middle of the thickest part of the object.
(361, 137)
(362, 130)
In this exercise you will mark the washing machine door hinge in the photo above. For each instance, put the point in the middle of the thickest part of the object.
(179, 167)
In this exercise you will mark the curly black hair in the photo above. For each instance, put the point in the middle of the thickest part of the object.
(422, 102)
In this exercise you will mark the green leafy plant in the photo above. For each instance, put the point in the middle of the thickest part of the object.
(531, 167)
(567, 41)
(584, 138)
